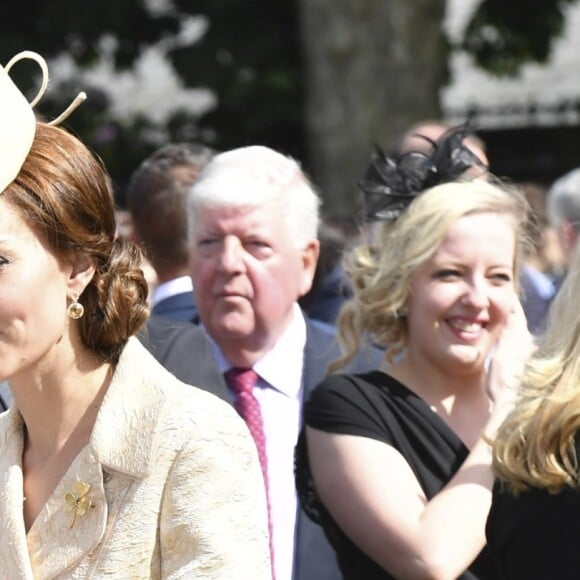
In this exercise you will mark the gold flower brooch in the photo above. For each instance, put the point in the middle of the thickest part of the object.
(78, 501)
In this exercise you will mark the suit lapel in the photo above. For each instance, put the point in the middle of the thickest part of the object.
(52, 545)
(313, 556)
(125, 431)
(64, 533)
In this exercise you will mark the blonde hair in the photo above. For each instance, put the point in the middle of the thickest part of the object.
(536, 444)
(380, 273)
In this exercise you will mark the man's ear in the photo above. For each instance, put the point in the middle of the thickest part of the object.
(309, 256)
(81, 273)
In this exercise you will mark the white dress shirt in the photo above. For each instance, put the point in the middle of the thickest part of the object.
(279, 392)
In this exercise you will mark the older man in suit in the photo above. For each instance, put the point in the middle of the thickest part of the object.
(253, 219)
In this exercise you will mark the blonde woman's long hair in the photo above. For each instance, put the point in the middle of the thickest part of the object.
(380, 272)
(535, 447)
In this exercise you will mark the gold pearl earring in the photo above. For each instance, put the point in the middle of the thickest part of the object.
(75, 308)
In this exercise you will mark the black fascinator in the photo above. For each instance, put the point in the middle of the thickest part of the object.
(391, 183)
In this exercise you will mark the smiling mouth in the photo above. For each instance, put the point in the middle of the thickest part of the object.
(466, 326)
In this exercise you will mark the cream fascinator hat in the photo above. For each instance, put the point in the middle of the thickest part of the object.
(17, 121)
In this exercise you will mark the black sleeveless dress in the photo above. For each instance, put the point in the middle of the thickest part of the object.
(375, 405)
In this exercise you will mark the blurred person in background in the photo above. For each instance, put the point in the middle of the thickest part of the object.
(126, 231)
(330, 287)
(156, 199)
(422, 135)
(157, 221)
(543, 262)
(563, 211)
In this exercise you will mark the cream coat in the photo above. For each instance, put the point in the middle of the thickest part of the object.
(175, 483)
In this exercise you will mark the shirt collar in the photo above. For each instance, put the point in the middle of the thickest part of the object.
(281, 366)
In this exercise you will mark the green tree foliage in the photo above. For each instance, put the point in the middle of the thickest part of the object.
(504, 34)
(64, 26)
(250, 56)
(77, 27)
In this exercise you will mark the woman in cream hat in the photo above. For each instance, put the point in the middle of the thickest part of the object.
(109, 466)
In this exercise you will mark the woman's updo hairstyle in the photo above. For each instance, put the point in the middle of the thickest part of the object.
(64, 193)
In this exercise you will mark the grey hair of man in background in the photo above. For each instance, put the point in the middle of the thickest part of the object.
(563, 210)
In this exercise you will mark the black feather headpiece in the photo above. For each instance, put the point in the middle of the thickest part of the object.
(390, 184)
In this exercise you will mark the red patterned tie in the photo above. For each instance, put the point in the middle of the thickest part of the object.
(242, 382)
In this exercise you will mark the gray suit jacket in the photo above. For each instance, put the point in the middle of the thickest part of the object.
(184, 350)
(177, 307)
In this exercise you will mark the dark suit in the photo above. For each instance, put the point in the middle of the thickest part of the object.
(314, 558)
(325, 299)
(3, 405)
(184, 350)
(177, 307)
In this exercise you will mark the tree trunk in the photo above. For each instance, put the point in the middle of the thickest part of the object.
(373, 68)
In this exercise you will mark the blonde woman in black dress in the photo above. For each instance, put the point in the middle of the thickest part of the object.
(395, 463)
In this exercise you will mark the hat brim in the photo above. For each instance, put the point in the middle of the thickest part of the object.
(17, 130)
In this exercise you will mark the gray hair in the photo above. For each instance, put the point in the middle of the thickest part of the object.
(252, 176)
(563, 200)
